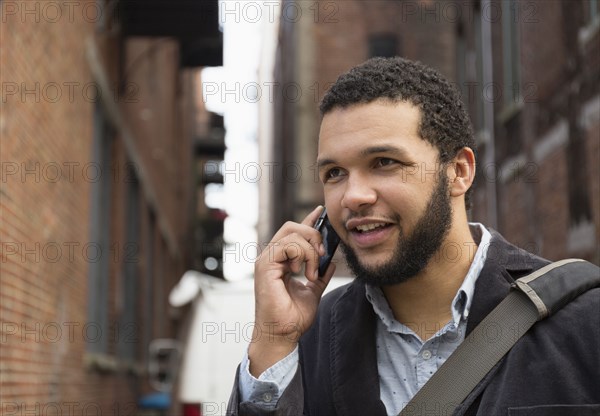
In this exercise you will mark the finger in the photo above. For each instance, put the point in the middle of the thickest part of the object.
(311, 218)
(310, 221)
(306, 224)
(326, 278)
(305, 228)
(315, 277)
(293, 249)
(319, 285)
(309, 258)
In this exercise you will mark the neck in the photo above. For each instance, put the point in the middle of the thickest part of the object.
(423, 303)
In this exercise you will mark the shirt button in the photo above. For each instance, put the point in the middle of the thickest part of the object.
(426, 355)
(267, 397)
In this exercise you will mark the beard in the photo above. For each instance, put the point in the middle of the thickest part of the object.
(412, 252)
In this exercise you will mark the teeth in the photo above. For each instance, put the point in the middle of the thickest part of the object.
(369, 227)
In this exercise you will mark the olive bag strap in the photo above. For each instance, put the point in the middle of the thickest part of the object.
(531, 299)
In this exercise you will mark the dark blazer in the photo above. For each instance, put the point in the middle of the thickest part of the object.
(553, 370)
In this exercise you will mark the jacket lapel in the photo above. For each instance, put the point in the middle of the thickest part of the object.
(504, 264)
(355, 380)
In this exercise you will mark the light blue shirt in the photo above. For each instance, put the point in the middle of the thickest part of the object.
(404, 361)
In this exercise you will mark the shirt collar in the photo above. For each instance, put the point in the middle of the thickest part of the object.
(461, 304)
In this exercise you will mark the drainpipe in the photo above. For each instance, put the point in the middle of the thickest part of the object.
(488, 116)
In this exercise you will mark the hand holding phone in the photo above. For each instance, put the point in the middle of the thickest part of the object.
(286, 307)
(330, 241)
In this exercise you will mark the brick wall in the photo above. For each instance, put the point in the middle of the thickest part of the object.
(423, 30)
(45, 148)
(556, 127)
(50, 88)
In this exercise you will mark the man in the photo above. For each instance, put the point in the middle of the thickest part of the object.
(397, 163)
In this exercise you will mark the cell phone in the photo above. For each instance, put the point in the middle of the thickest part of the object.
(330, 241)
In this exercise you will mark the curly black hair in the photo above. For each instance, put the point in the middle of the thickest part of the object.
(444, 120)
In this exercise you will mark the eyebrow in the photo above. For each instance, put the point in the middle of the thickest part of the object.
(383, 149)
(369, 151)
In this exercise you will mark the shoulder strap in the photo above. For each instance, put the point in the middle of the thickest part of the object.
(534, 297)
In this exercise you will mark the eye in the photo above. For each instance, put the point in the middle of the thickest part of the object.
(332, 174)
(384, 161)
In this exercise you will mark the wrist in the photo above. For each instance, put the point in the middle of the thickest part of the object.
(275, 333)
(262, 358)
(269, 347)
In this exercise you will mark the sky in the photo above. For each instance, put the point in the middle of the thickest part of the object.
(232, 90)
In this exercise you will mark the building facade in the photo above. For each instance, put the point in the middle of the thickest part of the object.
(541, 155)
(98, 205)
(527, 72)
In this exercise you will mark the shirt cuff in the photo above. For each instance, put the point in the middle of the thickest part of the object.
(269, 386)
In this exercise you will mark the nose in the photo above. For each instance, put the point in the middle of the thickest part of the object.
(358, 194)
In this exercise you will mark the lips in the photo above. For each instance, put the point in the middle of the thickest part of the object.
(366, 224)
(368, 232)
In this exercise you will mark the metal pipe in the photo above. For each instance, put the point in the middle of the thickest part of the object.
(488, 115)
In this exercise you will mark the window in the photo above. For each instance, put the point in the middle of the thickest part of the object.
(590, 23)
(98, 250)
(149, 280)
(580, 210)
(510, 53)
(462, 67)
(128, 338)
(469, 55)
(384, 45)
(479, 83)
(591, 11)
(159, 302)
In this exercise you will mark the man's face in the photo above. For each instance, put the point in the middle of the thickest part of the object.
(385, 192)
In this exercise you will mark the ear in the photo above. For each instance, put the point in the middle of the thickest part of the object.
(461, 171)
